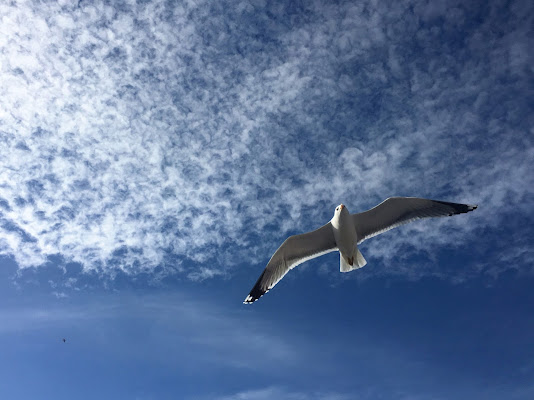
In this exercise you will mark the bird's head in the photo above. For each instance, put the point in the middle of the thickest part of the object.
(341, 209)
(340, 215)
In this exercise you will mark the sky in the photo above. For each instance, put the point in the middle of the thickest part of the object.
(155, 154)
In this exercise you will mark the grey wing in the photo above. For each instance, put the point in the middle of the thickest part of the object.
(294, 251)
(397, 211)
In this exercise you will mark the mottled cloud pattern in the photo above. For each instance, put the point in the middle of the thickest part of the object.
(158, 135)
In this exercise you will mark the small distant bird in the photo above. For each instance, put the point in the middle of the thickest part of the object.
(64, 340)
(345, 232)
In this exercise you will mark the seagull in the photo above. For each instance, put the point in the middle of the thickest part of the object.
(344, 232)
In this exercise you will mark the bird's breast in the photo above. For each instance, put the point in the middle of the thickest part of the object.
(345, 236)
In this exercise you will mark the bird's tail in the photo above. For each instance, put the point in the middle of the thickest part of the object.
(357, 262)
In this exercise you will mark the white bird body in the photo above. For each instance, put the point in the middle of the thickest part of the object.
(346, 239)
(344, 232)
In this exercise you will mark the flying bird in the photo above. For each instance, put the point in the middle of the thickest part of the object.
(345, 232)
(64, 340)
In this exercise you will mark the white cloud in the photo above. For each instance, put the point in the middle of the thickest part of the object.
(174, 328)
(282, 393)
(187, 338)
(134, 135)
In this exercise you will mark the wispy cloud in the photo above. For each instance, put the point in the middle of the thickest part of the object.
(138, 136)
(281, 393)
(152, 327)
(263, 355)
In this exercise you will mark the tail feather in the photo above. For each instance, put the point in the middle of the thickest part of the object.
(357, 262)
(360, 261)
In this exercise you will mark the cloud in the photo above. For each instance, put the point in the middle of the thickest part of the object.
(153, 328)
(281, 393)
(161, 135)
(251, 355)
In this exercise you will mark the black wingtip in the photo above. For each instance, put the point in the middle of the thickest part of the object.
(256, 292)
(458, 208)
(252, 297)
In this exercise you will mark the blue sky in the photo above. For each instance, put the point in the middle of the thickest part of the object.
(154, 154)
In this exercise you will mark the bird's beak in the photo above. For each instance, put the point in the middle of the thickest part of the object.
(342, 206)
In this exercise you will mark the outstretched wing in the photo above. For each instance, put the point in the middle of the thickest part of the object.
(397, 211)
(294, 251)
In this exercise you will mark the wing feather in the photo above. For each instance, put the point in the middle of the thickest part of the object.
(396, 211)
(294, 251)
